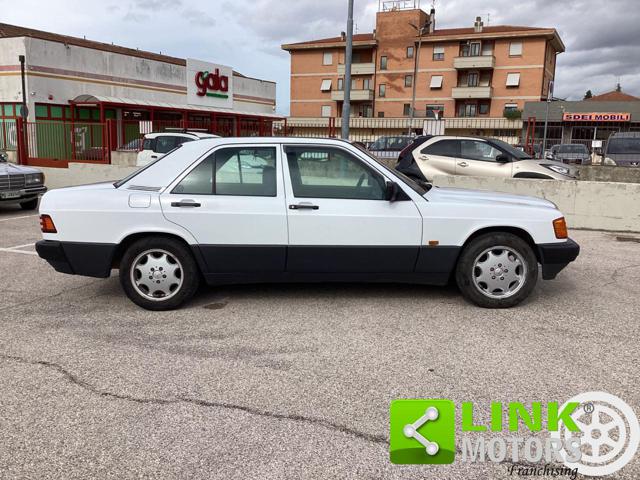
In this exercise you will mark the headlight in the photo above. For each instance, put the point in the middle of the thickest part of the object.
(34, 178)
(608, 161)
(558, 169)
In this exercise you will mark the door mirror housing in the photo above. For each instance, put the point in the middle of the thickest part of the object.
(502, 158)
(391, 191)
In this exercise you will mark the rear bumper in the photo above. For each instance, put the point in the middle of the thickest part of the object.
(88, 259)
(555, 256)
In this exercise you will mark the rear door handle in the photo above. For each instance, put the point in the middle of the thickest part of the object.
(303, 206)
(423, 157)
(185, 203)
(463, 164)
(154, 156)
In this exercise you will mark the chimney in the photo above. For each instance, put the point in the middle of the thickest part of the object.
(432, 20)
(477, 26)
(343, 36)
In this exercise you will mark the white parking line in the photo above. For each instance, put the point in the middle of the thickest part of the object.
(21, 246)
(16, 218)
(11, 250)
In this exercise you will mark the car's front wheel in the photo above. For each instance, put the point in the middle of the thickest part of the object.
(497, 270)
(159, 273)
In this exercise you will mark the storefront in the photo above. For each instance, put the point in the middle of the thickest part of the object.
(589, 122)
(85, 98)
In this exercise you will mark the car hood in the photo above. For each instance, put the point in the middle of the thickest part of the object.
(481, 197)
(7, 168)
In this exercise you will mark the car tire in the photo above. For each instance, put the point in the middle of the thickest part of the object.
(30, 205)
(159, 273)
(497, 270)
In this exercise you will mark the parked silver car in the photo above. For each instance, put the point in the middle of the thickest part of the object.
(19, 184)
(576, 153)
(623, 149)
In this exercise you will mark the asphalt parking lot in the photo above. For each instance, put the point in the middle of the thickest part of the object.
(286, 381)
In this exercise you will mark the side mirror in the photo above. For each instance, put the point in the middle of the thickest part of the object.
(391, 191)
(502, 158)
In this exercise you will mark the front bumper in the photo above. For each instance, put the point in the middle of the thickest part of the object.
(76, 258)
(555, 256)
(25, 194)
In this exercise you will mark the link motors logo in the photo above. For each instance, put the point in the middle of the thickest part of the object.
(593, 433)
(212, 84)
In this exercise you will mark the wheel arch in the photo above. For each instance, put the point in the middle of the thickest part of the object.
(134, 237)
(517, 231)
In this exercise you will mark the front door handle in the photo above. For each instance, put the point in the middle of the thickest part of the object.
(423, 157)
(463, 164)
(303, 206)
(185, 203)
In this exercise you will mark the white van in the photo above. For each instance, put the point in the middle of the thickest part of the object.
(157, 145)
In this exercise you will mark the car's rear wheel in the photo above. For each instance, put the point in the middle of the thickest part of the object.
(159, 273)
(497, 270)
(30, 205)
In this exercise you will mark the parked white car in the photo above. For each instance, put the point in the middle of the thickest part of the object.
(157, 145)
(234, 210)
(429, 156)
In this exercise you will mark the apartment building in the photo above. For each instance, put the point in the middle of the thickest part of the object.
(477, 71)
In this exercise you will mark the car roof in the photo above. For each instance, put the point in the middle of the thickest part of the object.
(181, 134)
(626, 135)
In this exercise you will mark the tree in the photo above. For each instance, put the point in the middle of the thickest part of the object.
(588, 94)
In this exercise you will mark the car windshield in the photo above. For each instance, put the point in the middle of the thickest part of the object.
(420, 188)
(516, 153)
(622, 146)
(572, 149)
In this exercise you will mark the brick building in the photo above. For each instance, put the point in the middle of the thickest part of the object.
(479, 71)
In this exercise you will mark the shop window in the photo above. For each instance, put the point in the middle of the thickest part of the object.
(67, 112)
(95, 114)
(56, 112)
(42, 111)
(84, 114)
(110, 114)
(8, 110)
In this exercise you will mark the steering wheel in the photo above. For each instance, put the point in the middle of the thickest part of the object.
(361, 180)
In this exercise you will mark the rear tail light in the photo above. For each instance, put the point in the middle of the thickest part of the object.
(560, 228)
(46, 224)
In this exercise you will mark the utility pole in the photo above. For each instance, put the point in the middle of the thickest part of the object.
(24, 111)
(346, 103)
(546, 117)
(415, 75)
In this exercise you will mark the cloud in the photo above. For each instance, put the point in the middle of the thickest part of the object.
(602, 37)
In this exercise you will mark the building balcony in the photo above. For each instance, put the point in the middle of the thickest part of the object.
(477, 62)
(471, 92)
(358, 68)
(356, 95)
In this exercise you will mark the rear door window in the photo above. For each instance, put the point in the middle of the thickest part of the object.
(165, 144)
(477, 150)
(443, 148)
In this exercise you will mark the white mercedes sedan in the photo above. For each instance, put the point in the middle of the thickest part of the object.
(247, 210)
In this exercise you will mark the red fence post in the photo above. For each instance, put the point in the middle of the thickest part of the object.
(21, 140)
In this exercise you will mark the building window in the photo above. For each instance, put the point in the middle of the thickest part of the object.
(382, 90)
(467, 110)
(326, 111)
(510, 106)
(408, 80)
(341, 84)
(483, 108)
(327, 58)
(354, 84)
(366, 84)
(513, 79)
(325, 86)
(436, 82)
(438, 52)
(406, 109)
(380, 114)
(515, 49)
(435, 111)
(409, 52)
(472, 79)
(383, 63)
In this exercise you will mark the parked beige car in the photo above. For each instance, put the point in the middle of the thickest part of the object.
(427, 157)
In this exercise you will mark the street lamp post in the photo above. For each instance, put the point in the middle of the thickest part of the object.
(415, 75)
(346, 103)
(546, 117)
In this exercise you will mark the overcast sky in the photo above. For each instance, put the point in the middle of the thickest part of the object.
(602, 36)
